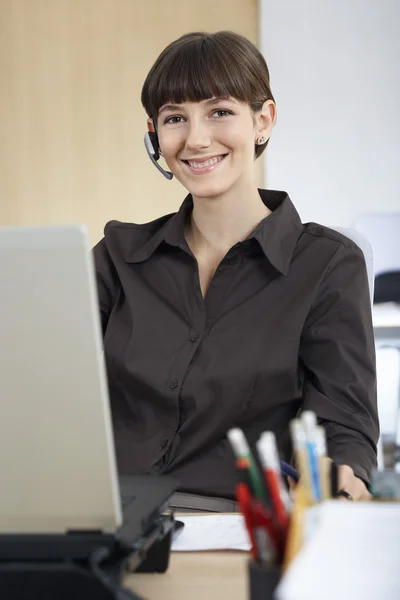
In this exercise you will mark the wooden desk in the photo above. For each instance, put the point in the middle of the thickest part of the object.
(196, 576)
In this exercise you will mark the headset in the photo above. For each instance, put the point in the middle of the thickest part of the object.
(153, 150)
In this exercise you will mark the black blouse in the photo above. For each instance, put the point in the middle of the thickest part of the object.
(286, 324)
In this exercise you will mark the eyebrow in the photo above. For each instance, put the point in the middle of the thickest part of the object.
(211, 101)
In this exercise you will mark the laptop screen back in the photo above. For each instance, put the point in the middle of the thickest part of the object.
(57, 461)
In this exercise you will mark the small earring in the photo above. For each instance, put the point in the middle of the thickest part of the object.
(260, 141)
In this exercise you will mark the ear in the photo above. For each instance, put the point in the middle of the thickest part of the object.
(150, 124)
(265, 119)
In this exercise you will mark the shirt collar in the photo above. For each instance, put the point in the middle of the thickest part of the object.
(276, 235)
(171, 230)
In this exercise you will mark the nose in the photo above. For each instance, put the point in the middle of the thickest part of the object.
(198, 135)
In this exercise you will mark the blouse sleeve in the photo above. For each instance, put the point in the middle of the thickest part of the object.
(337, 353)
(106, 278)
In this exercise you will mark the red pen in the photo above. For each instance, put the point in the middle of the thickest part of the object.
(273, 485)
(244, 498)
(269, 542)
(280, 498)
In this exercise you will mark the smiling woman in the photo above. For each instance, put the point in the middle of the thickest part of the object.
(209, 66)
(231, 312)
(211, 120)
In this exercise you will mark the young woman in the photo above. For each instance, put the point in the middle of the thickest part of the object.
(230, 312)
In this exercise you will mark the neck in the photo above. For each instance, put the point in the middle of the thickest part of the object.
(219, 223)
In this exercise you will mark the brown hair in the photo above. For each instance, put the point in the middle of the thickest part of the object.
(199, 66)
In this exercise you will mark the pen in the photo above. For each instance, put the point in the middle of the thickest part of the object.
(242, 451)
(243, 497)
(299, 445)
(309, 421)
(242, 472)
(289, 471)
(269, 543)
(296, 526)
(268, 453)
(324, 464)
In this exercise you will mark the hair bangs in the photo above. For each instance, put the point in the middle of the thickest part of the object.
(199, 71)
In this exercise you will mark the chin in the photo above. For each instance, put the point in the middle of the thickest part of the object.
(207, 190)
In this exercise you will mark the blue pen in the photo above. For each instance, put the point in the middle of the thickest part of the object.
(289, 471)
(309, 420)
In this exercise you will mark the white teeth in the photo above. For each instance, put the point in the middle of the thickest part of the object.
(207, 163)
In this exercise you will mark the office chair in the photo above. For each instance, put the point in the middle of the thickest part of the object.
(382, 232)
(387, 287)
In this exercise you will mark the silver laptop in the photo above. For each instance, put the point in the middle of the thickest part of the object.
(57, 461)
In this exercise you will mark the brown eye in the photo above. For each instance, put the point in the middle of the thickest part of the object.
(221, 112)
(174, 119)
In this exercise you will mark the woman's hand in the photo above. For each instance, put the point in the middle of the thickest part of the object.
(347, 482)
(351, 484)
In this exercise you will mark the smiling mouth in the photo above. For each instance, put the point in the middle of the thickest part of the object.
(196, 166)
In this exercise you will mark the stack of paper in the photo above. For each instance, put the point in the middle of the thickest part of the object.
(212, 532)
(354, 554)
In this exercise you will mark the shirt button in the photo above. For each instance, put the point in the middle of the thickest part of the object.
(164, 444)
(194, 338)
(173, 384)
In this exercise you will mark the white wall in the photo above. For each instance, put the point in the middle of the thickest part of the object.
(335, 74)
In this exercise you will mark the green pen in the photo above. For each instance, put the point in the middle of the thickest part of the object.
(242, 451)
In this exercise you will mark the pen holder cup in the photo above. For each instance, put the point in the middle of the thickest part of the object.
(263, 581)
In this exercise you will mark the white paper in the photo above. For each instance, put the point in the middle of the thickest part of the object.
(212, 532)
(354, 554)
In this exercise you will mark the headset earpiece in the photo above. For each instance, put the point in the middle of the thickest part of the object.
(153, 150)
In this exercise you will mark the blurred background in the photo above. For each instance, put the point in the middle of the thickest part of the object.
(72, 125)
(71, 120)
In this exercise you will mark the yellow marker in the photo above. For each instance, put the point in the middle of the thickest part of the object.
(295, 536)
(299, 444)
(324, 463)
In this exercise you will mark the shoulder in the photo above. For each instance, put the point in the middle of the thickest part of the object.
(134, 233)
(336, 246)
(342, 258)
(122, 240)
(345, 239)
(348, 268)
(120, 228)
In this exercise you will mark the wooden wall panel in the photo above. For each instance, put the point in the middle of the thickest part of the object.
(71, 121)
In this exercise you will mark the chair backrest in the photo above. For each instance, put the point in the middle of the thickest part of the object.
(364, 245)
(383, 233)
